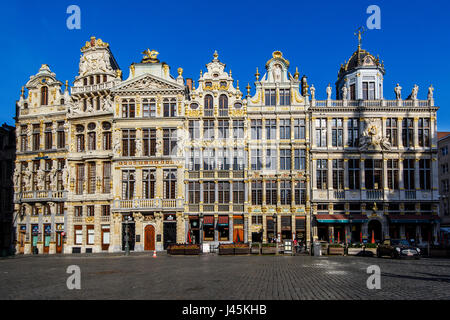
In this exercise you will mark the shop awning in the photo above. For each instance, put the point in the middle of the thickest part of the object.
(222, 221)
(208, 220)
(358, 218)
(412, 219)
(332, 218)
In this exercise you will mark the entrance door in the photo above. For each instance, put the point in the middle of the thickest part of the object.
(59, 242)
(170, 233)
(105, 238)
(374, 231)
(21, 242)
(131, 235)
(149, 243)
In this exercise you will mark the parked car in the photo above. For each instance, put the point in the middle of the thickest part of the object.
(397, 248)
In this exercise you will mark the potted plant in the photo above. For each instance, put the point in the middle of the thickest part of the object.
(256, 248)
(336, 249)
(370, 248)
(175, 249)
(226, 249)
(241, 248)
(354, 249)
(269, 248)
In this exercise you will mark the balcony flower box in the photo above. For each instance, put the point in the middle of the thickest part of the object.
(269, 248)
(336, 250)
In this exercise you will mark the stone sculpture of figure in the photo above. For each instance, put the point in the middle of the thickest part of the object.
(385, 144)
(90, 106)
(344, 92)
(52, 207)
(41, 179)
(398, 92)
(16, 176)
(430, 92)
(27, 178)
(106, 105)
(138, 147)
(277, 73)
(53, 179)
(313, 92)
(414, 92)
(83, 65)
(329, 90)
(116, 146)
(65, 174)
(74, 107)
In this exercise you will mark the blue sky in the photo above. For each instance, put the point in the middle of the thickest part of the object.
(316, 36)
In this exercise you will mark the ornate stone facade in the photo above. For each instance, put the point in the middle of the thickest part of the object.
(157, 160)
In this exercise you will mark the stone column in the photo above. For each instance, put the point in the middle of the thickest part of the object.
(181, 231)
(139, 231)
(416, 132)
(329, 136)
(264, 228)
(416, 174)
(346, 184)
(116, 233)
(345, 134)
(399, 132)
(362, 174)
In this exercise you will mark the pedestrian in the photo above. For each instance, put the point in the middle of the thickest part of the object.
(296, 245)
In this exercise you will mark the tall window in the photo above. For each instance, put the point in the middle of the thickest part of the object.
(257, 192)
(425, 174)
(299, 159)
(169, 141)
(224, 192)
(91, 177)
(300, 192)
(61, 135)
(271, 129)
(128, 142)
(106, 185)
(194, 192)
(36, 137)
(392, 172)
(238, 129)
(80, 179)
(238, 192)
(194, 159)
(194, 129)
(271, 159)
(239, 159)
(285, 192)
(208, 129)
(149, 108)
(337, 132)
(285, 159)
(224, 129)
(391, 131)
(368, 90)
(209, 106)
(223, 106)
(285, 129)
(321, 132)
(424, 132)
(90, 212)
(107, 136)
(299, 129)
(373, 173)
(352, 92)
(24, 138)
(48, 136)
(338, 174)
(322, 174)
(408, 132)
(149, 139)
(128, 182)
(256, 159)
(408, 174)
(170, 183)
(256, 128)
(170, 107)
(285, 97)
(44, 96)
(80, 142)
(128, 108)
(209, 192)
(353, 132)
(209, 159)
(148, 183)
(270, 97)
(271, 192)
(78, 211)
(106, 210)
(91, 140)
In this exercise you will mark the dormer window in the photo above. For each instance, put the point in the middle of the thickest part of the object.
(223, 106)
(223, 83)
(85, 81)
(209, 106)
(194, 106)
(208, 84)
(368, 90)
(270, 97)
(44, 96)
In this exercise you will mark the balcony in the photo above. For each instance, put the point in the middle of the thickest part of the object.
(374, 194)
(93, 87)
(371, 103)
(339, 194)
(149, 204)
(410, 194)
(30, 196)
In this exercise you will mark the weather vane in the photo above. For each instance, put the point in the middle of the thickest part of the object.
(358, 33)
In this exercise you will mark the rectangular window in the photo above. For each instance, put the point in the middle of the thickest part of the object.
(321, 132)
(78, 211)
(408, 174)
(285, 192)
(285, 97)
(78, 234)
(148, 108)
(80, 143)
(256, 159)
(223, 159)
(90, 234)
(238, 129)
(300, 192)
(373, 174)
(107, 140)
(392, 131)
(352, 92)
(299, 129)
(239, 159)
(285, 159)
(194, 159)
(257, 220)
(424, 132)
(270, 97)
(425, 174)
(106, 210)
(238, 192)
(148, 183)
(194, 129)
(353, 132)
(91, 177)
(209, 159)
(106, 185)
(61, 135)
(393, 175)
(257, 192)
(194, 192)
(271, 159)
(170, 108)
(224, 192)
(48, 136)
(170, 183)
(256, 128)
(224, 129)
(36, 137)
(337, 132)
(322, 174)
(91, 141)
(271, 129)
(24, 138)
(90, 211)
(169, 141)
(368, 90)
(408, 132)
(299, 159)
(208, 129)
(338, 174)
(149, 140)
(128, 108)
(80, 179)
(128, 182)
(285, 129)
(209, 192)
(128, 142)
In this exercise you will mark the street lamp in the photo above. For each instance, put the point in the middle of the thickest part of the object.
(127, 245)
(276, 229)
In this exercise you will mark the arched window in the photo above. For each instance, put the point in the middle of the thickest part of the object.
(128, 108)
(209, 106)
(44, 96)
(223, 106)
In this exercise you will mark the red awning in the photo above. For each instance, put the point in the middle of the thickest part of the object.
(332, 218)
(208, 220)
(223, 220)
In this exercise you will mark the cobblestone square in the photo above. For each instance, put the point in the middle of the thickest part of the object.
(212, 277)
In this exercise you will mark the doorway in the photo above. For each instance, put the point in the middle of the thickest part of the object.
(170, 233)
(375, 231)
(59, 242)
(149, 234)
(21, 241)
(105, 238)
(131, 235)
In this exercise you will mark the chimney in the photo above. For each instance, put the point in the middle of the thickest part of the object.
(189, 83)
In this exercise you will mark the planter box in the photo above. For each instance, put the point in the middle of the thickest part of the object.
(336, 251)
(226, 251)
(269, 250)
(176, 252)
(371, 251)
(242, 250)
(256, 250)
(354, 251)
(192, 251)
